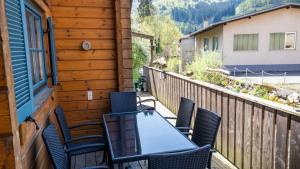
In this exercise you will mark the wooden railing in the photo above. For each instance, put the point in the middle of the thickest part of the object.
(254, 133)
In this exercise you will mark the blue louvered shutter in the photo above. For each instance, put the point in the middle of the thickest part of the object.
(52, 51)
(19, 58)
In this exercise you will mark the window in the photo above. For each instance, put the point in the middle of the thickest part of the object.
(215, 43)
(245, 42)
(27, 56)
(36, 52)
(290, 40)
(206, 44)
(283, 40)
(277, 41)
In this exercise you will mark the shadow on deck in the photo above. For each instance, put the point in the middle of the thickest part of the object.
(92, 159)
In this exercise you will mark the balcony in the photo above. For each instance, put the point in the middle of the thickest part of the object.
(92, 159)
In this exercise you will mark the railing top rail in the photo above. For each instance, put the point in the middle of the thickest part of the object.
(257, 100)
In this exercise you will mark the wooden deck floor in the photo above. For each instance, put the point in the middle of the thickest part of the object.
(92, 159)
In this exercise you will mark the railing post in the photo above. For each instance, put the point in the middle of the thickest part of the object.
(234, 71)
(284, 78)
(246, 74)
(262, 77)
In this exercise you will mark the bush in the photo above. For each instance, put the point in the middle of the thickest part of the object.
(139, 58)
(173, 64)
(202, 63)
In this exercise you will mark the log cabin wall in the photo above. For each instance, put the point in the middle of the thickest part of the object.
(21, 145)
(104, 68)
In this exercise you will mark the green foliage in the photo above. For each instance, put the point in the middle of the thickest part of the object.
(173, 64)
(249, 6)
(139, 58)
(201, 64)
(145, 8)
(166, 33)
(261, 91)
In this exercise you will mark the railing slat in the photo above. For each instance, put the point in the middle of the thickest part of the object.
(268, 141)
(247, 153)
(231, 129)
(295, 143)
(281, 140)
(239, 120)
(225, 125)
(257, 136)
(219, 112)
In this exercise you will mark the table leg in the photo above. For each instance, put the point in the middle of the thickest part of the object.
(120, 165)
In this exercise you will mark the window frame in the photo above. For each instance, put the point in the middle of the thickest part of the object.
(238, 47)
(295, 40)
(206, 49)
(215, 45)
(37, 14)
(270, 42)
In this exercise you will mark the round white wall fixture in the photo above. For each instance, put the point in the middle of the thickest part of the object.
(86, 45)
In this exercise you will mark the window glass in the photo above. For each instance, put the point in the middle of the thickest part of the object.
(290, 40)
(245, 42)
(215, 43)
(206, 44)
(277, 41)
(34, 28)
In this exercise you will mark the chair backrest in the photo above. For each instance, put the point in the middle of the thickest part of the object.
(55, 148)
(206, 127)
(62, 122)
(123, 102)
(194, 159)
(185, 112)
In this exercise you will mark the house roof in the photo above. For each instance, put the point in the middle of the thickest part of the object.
(288, 5)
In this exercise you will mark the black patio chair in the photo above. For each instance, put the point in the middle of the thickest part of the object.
(194, 159)
(60, 157)
(127, 102)
(205, 130)
(184, 116)
(70, 142)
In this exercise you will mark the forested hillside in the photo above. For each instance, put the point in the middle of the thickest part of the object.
(190, 14)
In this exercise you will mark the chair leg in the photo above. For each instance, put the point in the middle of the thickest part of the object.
(209, 161)
(69, 161)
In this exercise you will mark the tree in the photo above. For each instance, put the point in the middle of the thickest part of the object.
(165, 32)
(145, 8)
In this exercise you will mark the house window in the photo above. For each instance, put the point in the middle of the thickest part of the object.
(290, 40)
(277, 41)
(36, 51)
(283, 40)
(245, 42)
(215, 43)
(206, 44)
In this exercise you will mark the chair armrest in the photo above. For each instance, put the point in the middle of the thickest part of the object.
(171, 118)
(98, 167)
(85, 124)
(187, 133)
(77, 148)
(139, 98)
(148, 100)
(85, 138)
(213, 150)
(184, 128)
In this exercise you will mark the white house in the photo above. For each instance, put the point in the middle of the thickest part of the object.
(265, 40)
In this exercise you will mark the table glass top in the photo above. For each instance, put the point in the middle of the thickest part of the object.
(143, 133)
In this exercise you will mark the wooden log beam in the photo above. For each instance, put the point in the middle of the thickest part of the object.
(44, 7)
(10, 86)
(141, 35)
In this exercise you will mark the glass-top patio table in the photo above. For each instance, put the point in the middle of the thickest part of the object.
(136, 135)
